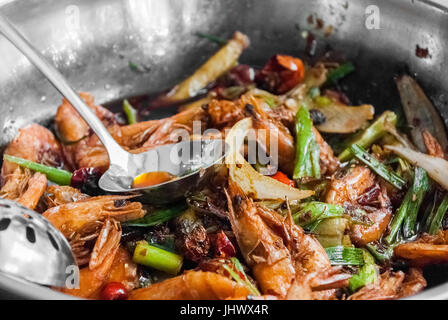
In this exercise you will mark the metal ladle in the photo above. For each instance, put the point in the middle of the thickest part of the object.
(31, 248)
(190, 161)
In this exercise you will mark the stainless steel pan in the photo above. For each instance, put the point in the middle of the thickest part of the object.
(93, 42)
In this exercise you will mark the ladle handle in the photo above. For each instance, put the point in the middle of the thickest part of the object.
(59, 82)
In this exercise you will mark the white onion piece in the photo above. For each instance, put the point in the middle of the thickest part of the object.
(250, 180)
(436, 168)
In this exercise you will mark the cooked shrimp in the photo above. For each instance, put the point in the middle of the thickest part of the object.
(81, 242)
(271, 131)
(224, 113)
(58, 195)
(70, 125)
(312, 265)
(348, 189)
(89, 152)
(328, 162)
(379, 220)
(133, 136)
(24, 187)
(166, 130)
(282, 257)
(91, 278)
(72, 129)
(348, 186)
(192, 285)
(262, 249)
(392, 285)
(124, 270)
(34, 143)
(71, 217)
(36, 188)
(426, 250)
(413, 283)
(138, 137)
(387, 287)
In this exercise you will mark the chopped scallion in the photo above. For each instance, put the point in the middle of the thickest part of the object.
(130, 112)
(157, 258)
(388, 175)
(59, 176)
(367, 274)
(236, 271)
(348, 256)
(340, 72)
(374, 132)
(307, 150)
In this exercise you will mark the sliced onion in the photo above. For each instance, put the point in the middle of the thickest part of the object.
(252, 182)
(436, 168)
(344, 119)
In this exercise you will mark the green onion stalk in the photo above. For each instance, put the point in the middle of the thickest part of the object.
(372, 134)
(313, 212)
(334, 75)
(380, 169)
(157, 258)
(130, 112)
(436, 217)
(381, 255)
(347, 256)
(367, 274)
(307, 150)
(236, 271)
(58, 176)
(406, 217)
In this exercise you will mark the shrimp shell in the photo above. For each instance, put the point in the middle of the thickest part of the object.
(93, 277)
(71, 217)
(262, 249)
(192, 285)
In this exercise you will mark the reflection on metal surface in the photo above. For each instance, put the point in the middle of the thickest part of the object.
(30, 247)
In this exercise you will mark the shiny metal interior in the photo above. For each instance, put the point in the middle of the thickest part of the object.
(40, 253)
(93, 41)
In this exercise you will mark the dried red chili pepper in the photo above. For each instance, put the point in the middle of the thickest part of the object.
(224, 247)
(281, 73)
(280, 176)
